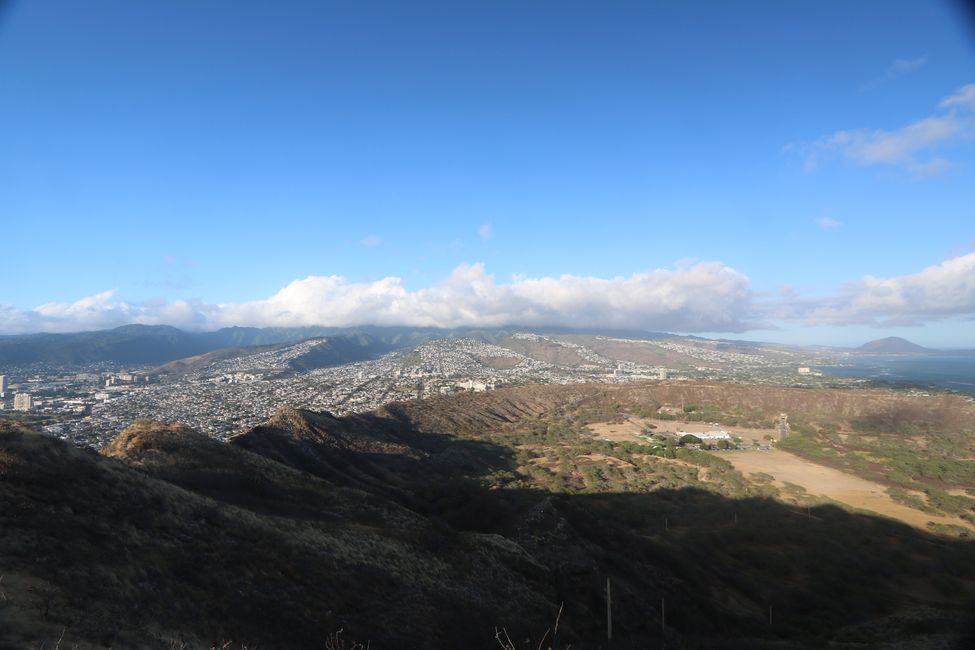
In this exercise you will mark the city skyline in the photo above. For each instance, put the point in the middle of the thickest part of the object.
(799, 173)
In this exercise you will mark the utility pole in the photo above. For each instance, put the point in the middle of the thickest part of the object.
(609, 613)
(663, 622)
(769, 614)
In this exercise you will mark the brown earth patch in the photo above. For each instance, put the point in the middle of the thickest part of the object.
(832, 483)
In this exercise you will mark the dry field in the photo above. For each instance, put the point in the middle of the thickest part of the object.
(817, 480)
(832, 483)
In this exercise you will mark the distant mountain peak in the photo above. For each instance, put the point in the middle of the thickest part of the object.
(892, 345)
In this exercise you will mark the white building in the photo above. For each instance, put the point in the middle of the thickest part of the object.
(718, 434)
(475, 386)
(23, 402)
(3, 385)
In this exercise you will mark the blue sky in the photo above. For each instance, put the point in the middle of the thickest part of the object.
(734, 169)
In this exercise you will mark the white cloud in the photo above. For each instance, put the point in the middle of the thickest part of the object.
(787, 291)
(371, 241)
(693, 297)
(708, 296)
(484, 231)
(938, 292)
(100, 311)
(905, 66)
(897, 68)
(910, 147)
(901, 146)
(963, 99)
(932, 167)
(827, 223)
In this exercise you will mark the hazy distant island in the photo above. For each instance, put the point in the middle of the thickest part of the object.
(893, 345)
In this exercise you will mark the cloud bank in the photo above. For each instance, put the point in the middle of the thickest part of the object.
(707, 296)
(946, 290)
(699, 297)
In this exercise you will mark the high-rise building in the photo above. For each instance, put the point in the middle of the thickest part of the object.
(23, 402)
(3, 385)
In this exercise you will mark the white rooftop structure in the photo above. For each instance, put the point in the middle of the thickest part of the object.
(718, 434)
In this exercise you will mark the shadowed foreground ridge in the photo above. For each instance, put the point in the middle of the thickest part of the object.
(395, 528)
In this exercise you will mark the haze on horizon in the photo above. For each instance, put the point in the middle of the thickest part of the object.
(797, 172)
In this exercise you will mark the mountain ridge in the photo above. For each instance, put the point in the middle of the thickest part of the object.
(893, 345)
(162, 344)
(175, 350)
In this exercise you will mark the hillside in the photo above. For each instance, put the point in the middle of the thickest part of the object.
(340, 349)
(199, 361)
(129, 344)
(733, 404)
(322, 352)
(137, 344)
(174, 536)
(161, 344)
(427, 524)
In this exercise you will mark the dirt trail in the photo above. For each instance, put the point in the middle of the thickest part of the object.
(832, 483)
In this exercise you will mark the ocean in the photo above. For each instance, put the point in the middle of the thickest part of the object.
(946, 371)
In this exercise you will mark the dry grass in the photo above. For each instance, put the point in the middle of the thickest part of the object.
(819, 480)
